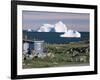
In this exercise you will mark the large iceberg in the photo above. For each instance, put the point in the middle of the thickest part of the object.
(46, 28)
(59, 27)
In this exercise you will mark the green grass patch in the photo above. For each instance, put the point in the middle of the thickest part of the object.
(61, 56)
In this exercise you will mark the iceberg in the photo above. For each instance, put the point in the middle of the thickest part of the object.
(71, 33)
(46, 28)
(29, 30)
(59, 27)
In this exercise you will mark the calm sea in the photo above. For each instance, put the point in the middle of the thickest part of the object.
(52, 37)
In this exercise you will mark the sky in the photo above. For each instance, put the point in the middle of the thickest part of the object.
(75, 21)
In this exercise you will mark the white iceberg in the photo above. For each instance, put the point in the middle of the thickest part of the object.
(29, 30)
(59, 27)
(46, 28)
(71, 33)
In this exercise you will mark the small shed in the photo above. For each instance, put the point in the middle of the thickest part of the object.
(38, 47)
(25, 47)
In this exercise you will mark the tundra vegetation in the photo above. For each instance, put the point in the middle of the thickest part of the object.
(56, 55)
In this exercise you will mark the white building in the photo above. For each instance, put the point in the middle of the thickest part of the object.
(38, 47)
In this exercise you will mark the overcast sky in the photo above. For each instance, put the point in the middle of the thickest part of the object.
(75, 21)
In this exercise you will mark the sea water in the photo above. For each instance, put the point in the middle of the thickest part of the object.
(53, 37)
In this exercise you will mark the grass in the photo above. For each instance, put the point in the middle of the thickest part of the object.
(62, 57)
(42, 63)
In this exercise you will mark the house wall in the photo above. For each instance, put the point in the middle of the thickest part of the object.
(38, 46)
